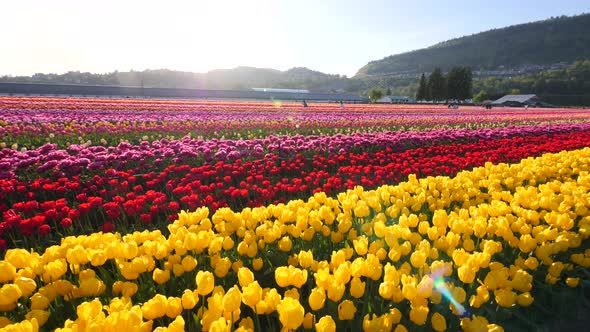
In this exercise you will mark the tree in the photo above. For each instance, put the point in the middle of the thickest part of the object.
(422, 94)
(388, 92)
(454, 78)
(459, 83)
(481, 96)
(375, 94)
(437, 85)
(466, 90)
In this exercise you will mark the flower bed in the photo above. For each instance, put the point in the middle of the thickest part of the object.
(477, 251)
(39, 212)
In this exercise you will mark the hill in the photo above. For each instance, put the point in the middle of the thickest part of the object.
(240, 78)
(562, 39)
(547, 57)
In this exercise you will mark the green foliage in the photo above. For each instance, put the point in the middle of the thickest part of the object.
(562, 39)
(569, 86)
(437, 86)
(481, 96)
(422, 93)
(375, 94)
(459, 83)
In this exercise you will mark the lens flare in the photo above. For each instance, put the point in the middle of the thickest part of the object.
(441, 287)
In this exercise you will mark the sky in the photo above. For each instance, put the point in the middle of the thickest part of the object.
(336, 37)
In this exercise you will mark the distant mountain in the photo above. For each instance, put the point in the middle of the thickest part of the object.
(240, 78)
(539, 57)
(562, 39)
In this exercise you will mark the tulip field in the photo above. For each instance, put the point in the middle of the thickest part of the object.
(180, 215)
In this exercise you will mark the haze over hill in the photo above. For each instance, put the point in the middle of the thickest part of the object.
(563, 39)
(240, 78)
(535, 57)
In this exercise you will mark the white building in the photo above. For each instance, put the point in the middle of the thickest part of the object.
(395, 100)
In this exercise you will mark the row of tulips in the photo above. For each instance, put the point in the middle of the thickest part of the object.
(39, 212)
(40, 104)
(478, 251)
(49, 160)
(32, 123)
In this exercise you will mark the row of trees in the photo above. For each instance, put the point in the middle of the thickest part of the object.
(567, 86)
(457, 84)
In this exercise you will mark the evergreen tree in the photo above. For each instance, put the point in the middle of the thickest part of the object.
(388, 92)
(454, 82)
(459, 83)
(466, 88)
(436, 85)
(421, 94)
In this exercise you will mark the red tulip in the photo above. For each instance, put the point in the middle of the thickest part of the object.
(108, 227)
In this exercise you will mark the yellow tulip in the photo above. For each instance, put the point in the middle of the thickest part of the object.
(346, 310)
(188, 263)
(205, 282)
(7, 272)
(252, 294)
(232, 299)
(438, 321)
(291, 313)
(40, 315)
(505, 297)
(477, 323)
(245, 276)
(128, 289)
(63, 287)
(343, 273)
(308, 321)
(119, 305)
(361, 245)
(572, 282)
(161, 276)
(419, 314)
(155, 307)
(305, 258)
(189, 299)
(26, 285)
(222, 267)
(39, 302)
(4, 321)
(466, 274)
(257, 264)
(326, 324)
(336, 291)
(272, 300)
(247, 323)
(525, 299)
(285, 244)
(9, 293)
(18, 258)
(418, 258)
(317, 298)
(173, 307)
(177, 325)
(24, 326)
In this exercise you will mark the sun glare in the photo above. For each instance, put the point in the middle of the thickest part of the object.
(210, 35)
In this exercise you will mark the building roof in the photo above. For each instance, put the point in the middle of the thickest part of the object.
(105, 90)
(280, 90)
(389, 99)
(522, 99)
